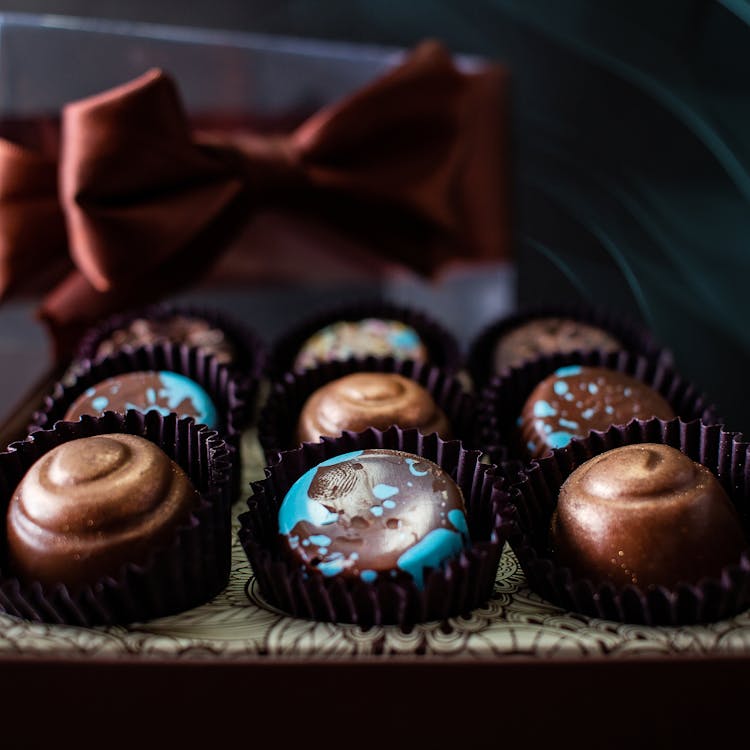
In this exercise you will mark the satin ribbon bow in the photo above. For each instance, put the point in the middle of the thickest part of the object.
(134, 203)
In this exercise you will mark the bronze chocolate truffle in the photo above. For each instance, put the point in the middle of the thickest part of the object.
(91, 505)
(575, 400)
(369, 337)
(179, 329)
(372, 514)
(370, 399)
(550, 335)
(645, 514)
(162, 391)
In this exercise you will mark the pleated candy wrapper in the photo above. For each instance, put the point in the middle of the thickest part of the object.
(534, 493)
(452, 589)
(187, 572)
(441, 344)
(278, 418)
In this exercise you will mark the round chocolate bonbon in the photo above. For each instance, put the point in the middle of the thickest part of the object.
(373, 513)
(575, 400)
(369, 337)
(90, 505)
(644, 514)
(370, 399)
(549, 335)
(163, 391)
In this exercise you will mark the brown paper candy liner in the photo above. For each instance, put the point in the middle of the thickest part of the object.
(231, 393)
(442, 346)
(190, 571)
(502, 399)
(454, 588)
(634, 337)
(277, 422)
(534, 494)
(251, 351)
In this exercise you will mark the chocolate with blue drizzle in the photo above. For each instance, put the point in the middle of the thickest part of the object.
(372, 515)
(575, 400)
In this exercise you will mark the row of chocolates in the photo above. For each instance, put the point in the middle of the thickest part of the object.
(377, 524)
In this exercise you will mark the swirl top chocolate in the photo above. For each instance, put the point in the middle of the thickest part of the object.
(369, 337)
(373, 513)
(575, 400)
(370, 399)
(164, 391)
(645, 514)
(90, 505)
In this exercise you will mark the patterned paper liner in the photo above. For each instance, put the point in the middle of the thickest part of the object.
(277, 422)
(634, 337)
(188, 572)
(502, 400)
(442, 346)
(534, 493)
(230, 393)
(454, 588)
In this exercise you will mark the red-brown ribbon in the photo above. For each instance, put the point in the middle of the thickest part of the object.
(141, 204)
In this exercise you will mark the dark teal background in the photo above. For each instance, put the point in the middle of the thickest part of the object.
(632, 137)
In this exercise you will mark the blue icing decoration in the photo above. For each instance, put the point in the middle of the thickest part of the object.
(558, 439)
(177, 388)
(90, 391)
(305, 542)
(569, 423)
(627, 392)
(320, 540)
(404, 339)
(100, 403)
(150, 395)
(567, 372)
(560, 387)
(376, 510)
(384, 491)
(588, 413)
(530, 445)
(593, 388)
(411, 462)
(332, 566)
(299, 506)
(458, 519)
(429, 552)
(544, 409)
(322, 550)
(368, 576)
(609, 409)
(569, 396)
(389, 504)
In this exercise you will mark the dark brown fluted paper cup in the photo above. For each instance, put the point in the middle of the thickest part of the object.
(633, 336)
(231, 393)
(187, 572)
(277, 423)
(454, 588)
(501, 401)
(441, 345)
(534, 494)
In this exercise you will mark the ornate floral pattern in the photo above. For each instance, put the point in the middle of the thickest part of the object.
(239, 624)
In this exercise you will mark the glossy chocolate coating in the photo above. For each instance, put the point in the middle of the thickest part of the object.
(90, 505)
(369, 337)
(550, 335)
(178, 329)
(373, 513)
(645, 514)
(370, 399)
(575, 400)
(163, 391)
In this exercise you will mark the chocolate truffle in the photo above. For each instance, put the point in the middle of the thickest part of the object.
(549, 335)
(163, 391)
(369, 337)
(373, 514)
(370, 399)
(90, 505)
(575, 400)
(645, 514)
(178, 329)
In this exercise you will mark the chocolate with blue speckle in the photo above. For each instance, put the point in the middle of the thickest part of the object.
(575, 400)
(373, 514)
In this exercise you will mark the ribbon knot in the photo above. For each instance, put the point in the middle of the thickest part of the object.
(137, 204)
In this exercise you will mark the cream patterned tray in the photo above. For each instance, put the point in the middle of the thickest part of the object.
(238, 624)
